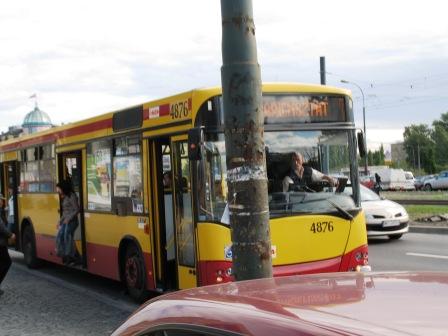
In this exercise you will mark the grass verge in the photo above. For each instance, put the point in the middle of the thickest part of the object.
(427, 195)
(419, 211)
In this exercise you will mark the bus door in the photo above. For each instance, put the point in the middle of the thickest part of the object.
(183, 214)
(70, 169)
(163, 215)
(10, 189)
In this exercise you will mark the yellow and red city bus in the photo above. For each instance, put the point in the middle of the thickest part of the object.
(156, 220)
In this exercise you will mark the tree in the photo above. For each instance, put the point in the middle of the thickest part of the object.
(375, 158)
(440, 138)
(370, 158)
(378, 156)
(420, 148)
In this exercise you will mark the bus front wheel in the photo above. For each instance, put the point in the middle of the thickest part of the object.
(134, 273)
(29, 248)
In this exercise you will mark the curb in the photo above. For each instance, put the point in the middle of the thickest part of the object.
(428, 229)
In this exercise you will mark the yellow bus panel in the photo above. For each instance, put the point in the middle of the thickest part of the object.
(42, 210)
(108, 230)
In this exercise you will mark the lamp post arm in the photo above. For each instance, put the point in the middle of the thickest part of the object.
(363, 119)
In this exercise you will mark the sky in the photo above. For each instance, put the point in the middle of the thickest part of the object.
(84, 58)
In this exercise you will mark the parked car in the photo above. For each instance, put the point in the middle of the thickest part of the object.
(420, 181)
(350, 303)
(383, 217)
(437, 182)
(367, 181)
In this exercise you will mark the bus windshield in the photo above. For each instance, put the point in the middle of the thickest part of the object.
(326, 162)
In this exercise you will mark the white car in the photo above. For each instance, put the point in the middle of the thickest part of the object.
(383, 217)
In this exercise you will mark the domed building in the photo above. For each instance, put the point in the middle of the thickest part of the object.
(36, 121)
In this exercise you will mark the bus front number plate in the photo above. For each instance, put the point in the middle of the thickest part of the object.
(321, 227)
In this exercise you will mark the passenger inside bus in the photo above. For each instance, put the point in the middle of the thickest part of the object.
(300, 176)
(167, 180)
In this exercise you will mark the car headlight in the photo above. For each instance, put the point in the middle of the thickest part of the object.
(369, 216)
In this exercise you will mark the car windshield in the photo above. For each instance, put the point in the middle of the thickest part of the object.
(408, 176)
(325, 153)
(366, 194)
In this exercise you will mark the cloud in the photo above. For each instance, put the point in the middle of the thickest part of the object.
(85, 58)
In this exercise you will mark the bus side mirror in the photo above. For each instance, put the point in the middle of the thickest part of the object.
(195, 136)
(361, 144)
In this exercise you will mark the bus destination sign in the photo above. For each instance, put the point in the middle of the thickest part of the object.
(282, 109)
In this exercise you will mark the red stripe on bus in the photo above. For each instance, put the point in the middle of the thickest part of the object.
(101, 259)
(213, 272)
(96, 126)
(78, 130)
(26, 143)
(321, 266)
(46, 248)
(164, 110)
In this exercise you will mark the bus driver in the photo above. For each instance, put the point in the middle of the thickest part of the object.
(299, 175)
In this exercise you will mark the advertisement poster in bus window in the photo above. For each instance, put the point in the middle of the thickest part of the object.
(121, 170)
(98, 178)
(128, 180)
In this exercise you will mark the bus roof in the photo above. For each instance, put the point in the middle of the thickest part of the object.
(105, 120)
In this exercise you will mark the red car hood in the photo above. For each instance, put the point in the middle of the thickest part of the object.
(338, 303)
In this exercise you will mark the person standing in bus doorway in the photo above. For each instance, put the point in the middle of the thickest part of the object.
(5, 237)
(167, 180)
(11, 221)
(65, 244)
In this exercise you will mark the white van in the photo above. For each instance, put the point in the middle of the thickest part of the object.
(410, 181)
(395, 179)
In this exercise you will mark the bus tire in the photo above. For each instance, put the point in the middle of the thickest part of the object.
(395, 236)
(29, 248)
(135, 274)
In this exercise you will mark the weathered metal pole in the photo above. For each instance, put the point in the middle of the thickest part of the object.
(323, 73)
(244, 127)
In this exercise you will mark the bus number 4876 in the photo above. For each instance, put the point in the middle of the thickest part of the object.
(320, 227)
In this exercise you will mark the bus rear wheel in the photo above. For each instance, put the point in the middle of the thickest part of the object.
(134, 274)
(29, 248)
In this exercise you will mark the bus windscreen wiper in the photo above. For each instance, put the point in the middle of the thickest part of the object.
(345, 214)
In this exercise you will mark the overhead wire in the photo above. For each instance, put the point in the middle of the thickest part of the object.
(410, 91)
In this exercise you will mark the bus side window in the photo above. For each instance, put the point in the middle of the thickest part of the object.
(127, 176)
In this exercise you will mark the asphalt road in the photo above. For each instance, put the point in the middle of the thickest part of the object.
(413, 252)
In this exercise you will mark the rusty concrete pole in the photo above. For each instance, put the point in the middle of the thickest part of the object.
(244, 127)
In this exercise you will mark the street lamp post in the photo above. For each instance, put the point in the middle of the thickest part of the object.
(363, 119)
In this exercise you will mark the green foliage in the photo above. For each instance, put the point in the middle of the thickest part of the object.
(375, 158)
(429, 145)
(339, 156)
(440, 137)
(420, 147)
